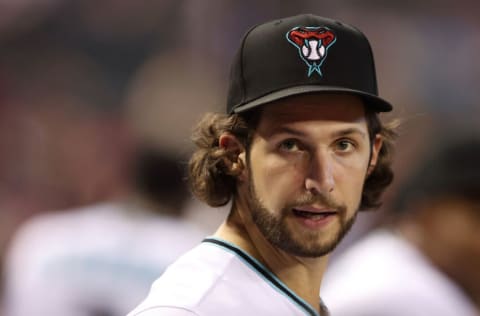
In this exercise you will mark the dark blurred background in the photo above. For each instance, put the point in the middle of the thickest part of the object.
(82, 82)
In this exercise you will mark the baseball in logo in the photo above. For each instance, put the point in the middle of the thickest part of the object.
(312, 44)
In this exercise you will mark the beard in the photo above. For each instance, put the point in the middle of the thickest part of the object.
(305, 243)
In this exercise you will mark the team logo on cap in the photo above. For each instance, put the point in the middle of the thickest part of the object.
(312, 44)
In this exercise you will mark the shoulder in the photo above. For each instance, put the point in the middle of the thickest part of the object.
(210, 280)
(189, 281)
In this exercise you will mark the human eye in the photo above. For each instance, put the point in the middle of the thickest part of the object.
(345, 146)
(289, 145)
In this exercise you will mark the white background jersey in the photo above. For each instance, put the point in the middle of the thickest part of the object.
(383, 275)
(99, 260)
(217, 279)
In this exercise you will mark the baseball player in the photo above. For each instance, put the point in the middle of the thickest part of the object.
(300, 150)
(97, 260)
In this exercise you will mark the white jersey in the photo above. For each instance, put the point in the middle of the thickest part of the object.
(97, 260)
(217, 279)
(384, 275)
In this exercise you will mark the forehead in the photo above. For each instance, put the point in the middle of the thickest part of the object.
(329, 108)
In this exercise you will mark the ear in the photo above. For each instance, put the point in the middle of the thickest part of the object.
(376, 146)
(234, 160)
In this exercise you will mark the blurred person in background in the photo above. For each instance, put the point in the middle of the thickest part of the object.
(58, 118)
(100, 259)
(426, 260)
(64, 66)
(161, 114)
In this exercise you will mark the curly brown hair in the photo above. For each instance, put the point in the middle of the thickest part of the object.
(214, 183)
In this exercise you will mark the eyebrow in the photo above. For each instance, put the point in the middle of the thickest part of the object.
(285, 129)
(340, 133)
(349, 131)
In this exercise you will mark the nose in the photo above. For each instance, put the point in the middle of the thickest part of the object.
(319, 178)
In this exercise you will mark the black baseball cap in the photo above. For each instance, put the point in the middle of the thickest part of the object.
(302, 54)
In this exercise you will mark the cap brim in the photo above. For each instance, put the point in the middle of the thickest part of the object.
(371, 101)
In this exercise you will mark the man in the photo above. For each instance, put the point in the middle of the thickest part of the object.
(426, 262)
(97, 260)
(300, 150)
(75, 257)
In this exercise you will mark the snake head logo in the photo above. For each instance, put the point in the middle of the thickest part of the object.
(312, 44)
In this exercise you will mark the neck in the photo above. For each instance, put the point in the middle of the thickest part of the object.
(302, 275)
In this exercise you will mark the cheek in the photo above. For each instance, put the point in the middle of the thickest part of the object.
(276, 176)
(276, 180)
(349, 183)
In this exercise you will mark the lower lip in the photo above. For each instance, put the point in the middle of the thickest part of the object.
(316, 223)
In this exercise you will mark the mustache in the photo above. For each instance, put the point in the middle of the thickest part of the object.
(320, 198)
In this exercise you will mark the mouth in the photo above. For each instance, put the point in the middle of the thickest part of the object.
(313, 213)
